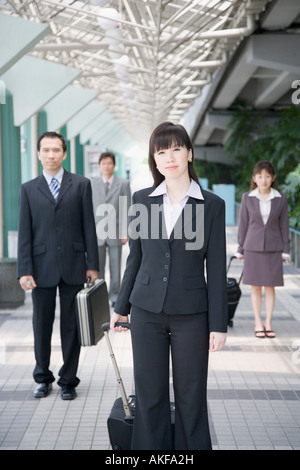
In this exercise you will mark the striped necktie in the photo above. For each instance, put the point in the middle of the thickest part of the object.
(54, 188)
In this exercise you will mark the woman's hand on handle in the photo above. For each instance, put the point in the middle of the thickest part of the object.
(118, 318)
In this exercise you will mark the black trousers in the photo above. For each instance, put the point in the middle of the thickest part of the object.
(153, 337)
(44, 301)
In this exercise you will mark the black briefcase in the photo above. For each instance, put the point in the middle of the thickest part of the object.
(92, 309)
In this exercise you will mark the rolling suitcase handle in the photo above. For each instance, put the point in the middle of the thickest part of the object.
(232, 258)
(106, 328)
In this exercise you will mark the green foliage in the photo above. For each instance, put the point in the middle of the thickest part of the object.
(216, 173)
(292, 191)
(251, 140)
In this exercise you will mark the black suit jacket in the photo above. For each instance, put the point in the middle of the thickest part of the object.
(57, 240)
(163, 275)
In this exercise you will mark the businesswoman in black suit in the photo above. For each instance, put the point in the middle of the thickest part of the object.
(176, 229)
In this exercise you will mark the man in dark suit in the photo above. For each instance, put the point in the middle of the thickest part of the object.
(57, 248)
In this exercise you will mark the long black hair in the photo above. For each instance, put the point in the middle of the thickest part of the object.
(164, 136)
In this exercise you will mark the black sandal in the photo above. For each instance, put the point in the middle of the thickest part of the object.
(260, 332)
(270, 334)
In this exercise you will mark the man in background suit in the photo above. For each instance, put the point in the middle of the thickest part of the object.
(57, 248)
(111, 201)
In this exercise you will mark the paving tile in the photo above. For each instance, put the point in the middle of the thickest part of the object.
(253, 384)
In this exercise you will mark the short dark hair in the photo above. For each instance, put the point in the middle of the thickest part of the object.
(52, 135)
(107, 155)
(164, 136)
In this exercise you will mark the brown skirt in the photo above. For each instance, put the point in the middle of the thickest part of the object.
(263, 269)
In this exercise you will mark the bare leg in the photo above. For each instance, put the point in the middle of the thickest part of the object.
(256, 305)
(269, 305)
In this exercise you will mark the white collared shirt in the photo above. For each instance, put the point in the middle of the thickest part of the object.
(58, 176)
(173, 211)
(265, 206)
(109, 181)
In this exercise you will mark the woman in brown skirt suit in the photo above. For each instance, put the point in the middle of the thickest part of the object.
(263, 238)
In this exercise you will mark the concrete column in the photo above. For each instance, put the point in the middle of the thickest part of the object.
(73, 155)
(1, 194)
(34, 139)
(11, 172)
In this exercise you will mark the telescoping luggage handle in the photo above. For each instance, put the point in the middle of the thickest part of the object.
(232, 258)
(106, 328)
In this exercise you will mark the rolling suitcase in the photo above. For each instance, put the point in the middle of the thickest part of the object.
(92, 309)
(234, 293)
(121, 417)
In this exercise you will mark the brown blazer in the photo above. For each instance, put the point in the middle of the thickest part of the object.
(254, 235)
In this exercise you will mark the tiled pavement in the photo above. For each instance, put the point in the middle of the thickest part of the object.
(253, 386)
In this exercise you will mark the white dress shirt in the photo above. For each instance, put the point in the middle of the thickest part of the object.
(58, 176)
(173, 211)
(109, 181)
(265, 205)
